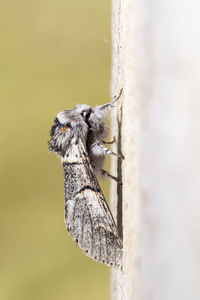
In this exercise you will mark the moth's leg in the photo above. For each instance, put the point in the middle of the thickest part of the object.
(109, 105)
(107, 151)
(113, 141)
(116, 98)
(105, 173)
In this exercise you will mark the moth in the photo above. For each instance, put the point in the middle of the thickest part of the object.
(77, 136)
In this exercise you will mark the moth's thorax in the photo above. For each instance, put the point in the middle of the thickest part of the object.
(81, 108)
(84, 114)
(71, 116)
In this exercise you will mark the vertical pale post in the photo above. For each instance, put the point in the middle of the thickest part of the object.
(155, 59)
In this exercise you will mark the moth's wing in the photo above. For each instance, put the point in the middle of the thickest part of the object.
(87, 216)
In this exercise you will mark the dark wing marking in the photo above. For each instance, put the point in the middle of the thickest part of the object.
(87, 216)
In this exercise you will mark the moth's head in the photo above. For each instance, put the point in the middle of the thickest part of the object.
(68, 125)
(59, 136)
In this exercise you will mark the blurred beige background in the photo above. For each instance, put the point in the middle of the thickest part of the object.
(53, 54)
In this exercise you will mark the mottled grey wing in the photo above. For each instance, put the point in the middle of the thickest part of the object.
(87, 216)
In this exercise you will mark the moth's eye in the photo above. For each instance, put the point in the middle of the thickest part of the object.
(65, 127)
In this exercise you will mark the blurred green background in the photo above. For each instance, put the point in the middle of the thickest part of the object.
(53, 54)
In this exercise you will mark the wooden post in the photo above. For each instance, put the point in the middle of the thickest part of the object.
(155, 60)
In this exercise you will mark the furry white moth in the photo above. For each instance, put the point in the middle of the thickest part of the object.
(77, 136)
